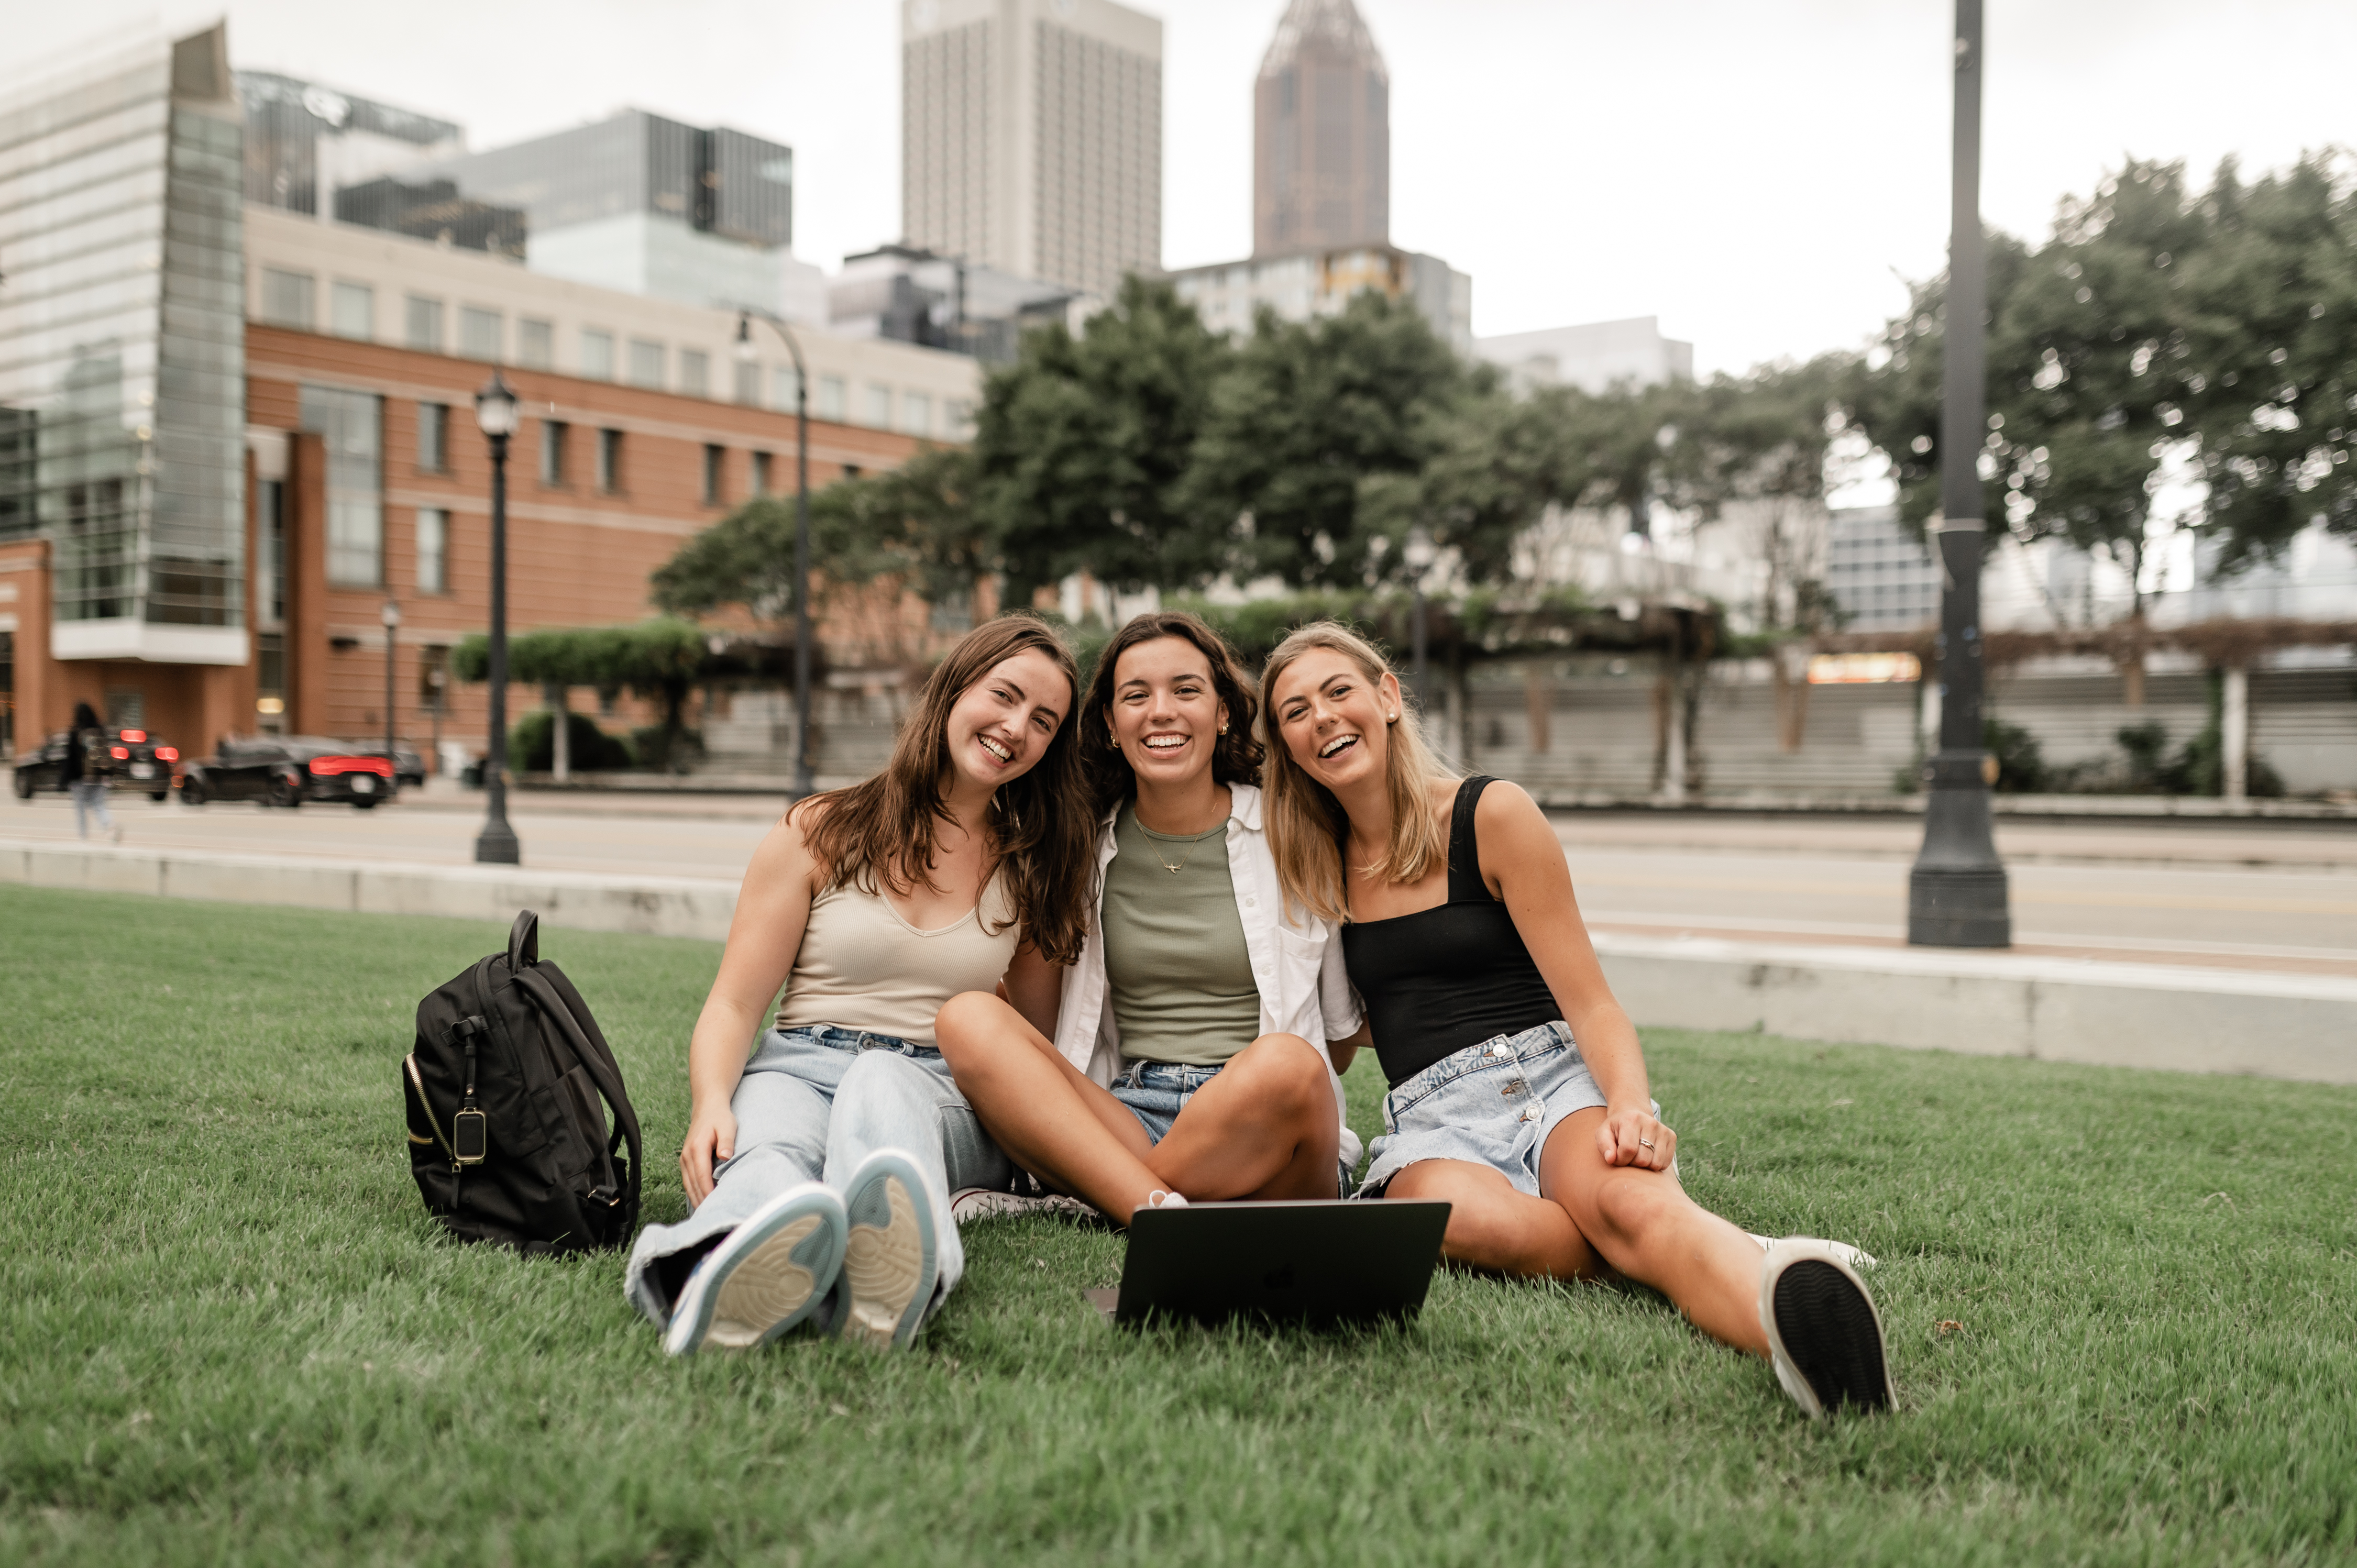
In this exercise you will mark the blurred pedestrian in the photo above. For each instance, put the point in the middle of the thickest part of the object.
(89, 759)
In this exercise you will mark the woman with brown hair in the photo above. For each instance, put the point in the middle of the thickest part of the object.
(1187, 1054)
(821, 1168)
(1518, 1091)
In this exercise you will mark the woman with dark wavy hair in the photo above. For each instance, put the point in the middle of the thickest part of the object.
(1189, 1053)
(821, 1168)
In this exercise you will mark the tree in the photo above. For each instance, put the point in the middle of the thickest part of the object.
(1081, 444)
(657, 660)
(2271, 381)
(1306, 414)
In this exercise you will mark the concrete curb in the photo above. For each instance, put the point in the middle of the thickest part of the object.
(2301, 1026)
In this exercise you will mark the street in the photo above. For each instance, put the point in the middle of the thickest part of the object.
(2239, 895)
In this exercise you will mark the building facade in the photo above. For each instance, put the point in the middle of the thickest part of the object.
(1879, 571)
(1031, 137)
(1595, 357)
(230, 433)
(1321, 135)
(1313, 284)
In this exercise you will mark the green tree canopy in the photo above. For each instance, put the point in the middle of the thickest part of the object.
(657, 660)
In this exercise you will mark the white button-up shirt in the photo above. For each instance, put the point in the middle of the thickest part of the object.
(1296, 962)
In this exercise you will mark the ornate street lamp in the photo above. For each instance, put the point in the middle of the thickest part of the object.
(495, 412)
(1956, 893)
(745, 316)
(391, 615)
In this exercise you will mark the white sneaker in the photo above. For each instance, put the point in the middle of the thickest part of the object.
(1825, 1338)
(1855, 1257)
(890, 1261)
(974, 1204)
(768, 1275)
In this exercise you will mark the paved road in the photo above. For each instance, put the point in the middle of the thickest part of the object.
(2236, 894)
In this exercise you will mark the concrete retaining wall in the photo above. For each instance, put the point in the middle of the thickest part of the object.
(2125, 1014)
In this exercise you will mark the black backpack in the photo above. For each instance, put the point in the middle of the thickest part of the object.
(506, 1137)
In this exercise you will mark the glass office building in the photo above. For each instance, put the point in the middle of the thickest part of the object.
(122, 350)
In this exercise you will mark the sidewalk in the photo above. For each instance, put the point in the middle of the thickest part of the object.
(2044, 1005)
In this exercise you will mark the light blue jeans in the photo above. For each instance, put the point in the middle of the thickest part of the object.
(814, 1102)
(88, 798)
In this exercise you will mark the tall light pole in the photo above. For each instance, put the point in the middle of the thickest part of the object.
(1420, 554)
(391, 615)
(745, 314)
(1956, 893)
(495, 412)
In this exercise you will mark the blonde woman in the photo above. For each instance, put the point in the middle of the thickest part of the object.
(1187, 1053)
(820, 1152)
(1518, 1092)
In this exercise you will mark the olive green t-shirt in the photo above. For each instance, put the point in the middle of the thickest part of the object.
(1179, 977)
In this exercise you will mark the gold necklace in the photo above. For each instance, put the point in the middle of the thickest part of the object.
(1174, 870)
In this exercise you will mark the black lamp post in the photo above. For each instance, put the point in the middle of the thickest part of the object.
(803, 782)
(391, 615)
(495, 412)
(1956, 893)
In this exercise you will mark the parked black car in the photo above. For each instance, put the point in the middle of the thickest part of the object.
(140, 761)
(286, 770)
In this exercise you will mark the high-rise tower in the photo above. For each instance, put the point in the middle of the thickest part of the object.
(1031, 136)
(1321, 133)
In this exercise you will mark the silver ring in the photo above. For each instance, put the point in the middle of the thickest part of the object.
(1644, 1143)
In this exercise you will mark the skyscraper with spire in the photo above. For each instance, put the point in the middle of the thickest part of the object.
(1321, 133)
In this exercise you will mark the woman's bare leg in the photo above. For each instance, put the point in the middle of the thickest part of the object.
(1049, 1116)
(1491, 1226)
(1643, 1223)
(1265, 1127)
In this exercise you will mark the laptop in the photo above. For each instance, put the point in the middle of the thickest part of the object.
(1318, 1262)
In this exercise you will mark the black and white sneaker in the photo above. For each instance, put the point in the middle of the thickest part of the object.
(972, 1205)
(1824, 1336)
(767, 1276)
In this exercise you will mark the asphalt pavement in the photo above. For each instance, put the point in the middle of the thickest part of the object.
(2267, 896)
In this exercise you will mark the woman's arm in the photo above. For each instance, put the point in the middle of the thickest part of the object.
(1343, 1051)
(772, 909)
(1523, 862)
(1035, 989)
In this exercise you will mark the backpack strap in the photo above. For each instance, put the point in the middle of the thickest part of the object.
(523, 942)
(604, 1071)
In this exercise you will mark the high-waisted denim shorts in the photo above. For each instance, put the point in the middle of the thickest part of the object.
(1157, 1091)
(1492, 1104)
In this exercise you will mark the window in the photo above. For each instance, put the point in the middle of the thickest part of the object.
(351, 311)
(270, 681)
(646, 363)
(696, 372)
(609, 460)
(880, 407)
(761, 473)
(957, 415)
(748, 383)
(535, 344)
(597, 354)
(715, 458)
(287, 299)
(829, 403)
(433, 550)
(434, 677)
(789, 386)
(434, 437)
(916, 413)
(423, 323)
(482, 333)
(552, 451)
(352, 426)
(270, 519)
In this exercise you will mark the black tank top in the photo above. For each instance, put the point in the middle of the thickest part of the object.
(1446, 978)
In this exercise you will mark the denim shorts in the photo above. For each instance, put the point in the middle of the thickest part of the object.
(1157, 1091)
(1492, 1104)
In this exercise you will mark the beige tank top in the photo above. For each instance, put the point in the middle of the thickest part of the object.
(861, 966)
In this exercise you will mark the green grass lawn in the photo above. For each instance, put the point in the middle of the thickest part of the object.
(2121, 1305)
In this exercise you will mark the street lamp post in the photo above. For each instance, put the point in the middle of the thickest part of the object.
(391, 615)
(1956, 893)
(495, 412)
(1418, 553)
(803, 782)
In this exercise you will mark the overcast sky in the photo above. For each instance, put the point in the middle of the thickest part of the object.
(1756, 173)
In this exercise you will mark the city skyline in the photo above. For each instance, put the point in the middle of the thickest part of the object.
(1819, 130)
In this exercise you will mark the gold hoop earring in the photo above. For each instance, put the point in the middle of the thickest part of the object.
(1224, 729)
(1112, 743)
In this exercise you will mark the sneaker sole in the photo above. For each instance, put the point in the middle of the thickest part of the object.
(884, 1264)
(1831, 1336)
(765, 1294)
